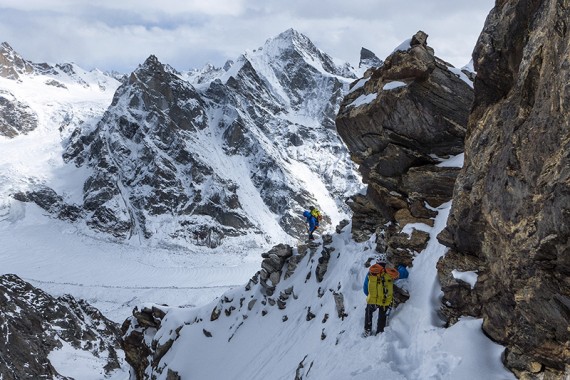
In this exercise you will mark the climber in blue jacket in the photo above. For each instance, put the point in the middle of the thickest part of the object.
(313, 222)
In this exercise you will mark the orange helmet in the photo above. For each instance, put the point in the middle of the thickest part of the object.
(376, 269)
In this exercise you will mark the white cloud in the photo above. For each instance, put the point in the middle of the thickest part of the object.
(121, 34)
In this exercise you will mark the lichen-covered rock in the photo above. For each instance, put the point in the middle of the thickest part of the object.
(510, 208)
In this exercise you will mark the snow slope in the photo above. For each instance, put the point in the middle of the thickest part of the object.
(269, 343)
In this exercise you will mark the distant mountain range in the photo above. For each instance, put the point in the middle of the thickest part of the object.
(189, 158)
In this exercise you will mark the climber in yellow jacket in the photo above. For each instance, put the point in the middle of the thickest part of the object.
(379, 289)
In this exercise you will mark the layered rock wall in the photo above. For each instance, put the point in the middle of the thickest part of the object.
(399, 122)
(511, 205)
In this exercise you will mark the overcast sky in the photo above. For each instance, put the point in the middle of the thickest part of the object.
(121, 34)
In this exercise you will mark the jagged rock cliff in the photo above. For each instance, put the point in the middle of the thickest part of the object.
(399, 123)
(33, 325)
(145, 166)
(509, 220)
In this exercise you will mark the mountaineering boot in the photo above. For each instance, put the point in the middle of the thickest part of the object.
(366, 333)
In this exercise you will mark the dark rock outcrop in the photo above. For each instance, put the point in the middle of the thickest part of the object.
(399, 122)
(50, 201)
(33, 324)
(137, 353)
(368, 59)
(272, 266)
(16, 117)
(509, 220)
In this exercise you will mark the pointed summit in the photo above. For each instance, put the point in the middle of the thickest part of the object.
(152, 60)
(294, 47)
(368, 59)
(292, 35)
(151, 64)
(12, 64)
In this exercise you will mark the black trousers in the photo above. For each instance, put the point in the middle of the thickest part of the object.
(370, 308)
(311, 232)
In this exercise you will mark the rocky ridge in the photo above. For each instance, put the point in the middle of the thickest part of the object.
(34, 324)
(272, 298)
(12, 65)
(258, 297)
(510, 209)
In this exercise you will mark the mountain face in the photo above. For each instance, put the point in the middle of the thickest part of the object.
(15, 116)
(509, 220)
(145, 166)
(35, 326)
(400, 122)
(193, 157)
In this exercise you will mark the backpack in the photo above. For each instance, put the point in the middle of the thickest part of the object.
(380, 285)
(403, 271)
(380, 290)
(317, 214)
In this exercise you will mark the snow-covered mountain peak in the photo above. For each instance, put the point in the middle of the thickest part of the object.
(290, 39)
(278, 62)
(291, 45)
